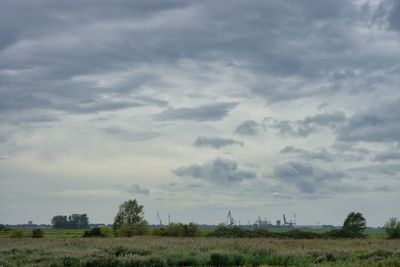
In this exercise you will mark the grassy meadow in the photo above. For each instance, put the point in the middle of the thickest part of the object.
(66, 248)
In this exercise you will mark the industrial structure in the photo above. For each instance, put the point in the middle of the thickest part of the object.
(263, 222)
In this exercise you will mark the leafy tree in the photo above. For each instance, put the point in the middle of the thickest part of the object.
(355, 224)
(59, 221)
(131, 213)
(392, 228)
(353, 227)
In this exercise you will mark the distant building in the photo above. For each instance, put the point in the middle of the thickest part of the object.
(278, 222)
(30, 223)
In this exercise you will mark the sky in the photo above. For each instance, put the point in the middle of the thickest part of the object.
(195, 108)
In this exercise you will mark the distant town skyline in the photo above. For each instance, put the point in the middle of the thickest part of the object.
(195, 108)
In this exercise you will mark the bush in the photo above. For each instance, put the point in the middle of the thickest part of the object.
(94, 232)
(103, 231)
(392, 228)
(37, 233)
(298, 234)
(237, 231)
(128, 230)
(178, 229)
(106, 231)
(234, 231)
(16, 233)
(261, 232)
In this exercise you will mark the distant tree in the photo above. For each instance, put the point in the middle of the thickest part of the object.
(73, 221)
(59, 221)
(355, 224)
(392, 228)
(131, 213)
(353, 227)
(2, 227)
(78, 221)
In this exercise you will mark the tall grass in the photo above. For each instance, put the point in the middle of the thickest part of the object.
(167, 251)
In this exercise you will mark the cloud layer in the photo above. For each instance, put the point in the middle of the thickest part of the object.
(257, 106)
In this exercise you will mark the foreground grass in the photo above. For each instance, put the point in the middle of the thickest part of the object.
(162, 251)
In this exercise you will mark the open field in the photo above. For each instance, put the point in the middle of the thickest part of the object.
(200, 251)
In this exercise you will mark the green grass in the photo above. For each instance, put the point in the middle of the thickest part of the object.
(200, 251)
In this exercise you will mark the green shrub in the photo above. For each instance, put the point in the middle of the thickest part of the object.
(16, 233)
(94, 232)
(191, 230)
(178, 229)
(234, 231)
(157, 231)
(298, 234)
(392, 228)
(106, 231)
(37, 233)
(128, 230)
(261, 232)
(103, 231)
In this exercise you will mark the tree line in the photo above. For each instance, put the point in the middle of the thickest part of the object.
(73, 221)
(129, 221)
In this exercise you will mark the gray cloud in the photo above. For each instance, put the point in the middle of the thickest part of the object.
(326, 119)
(215, 142)
(310, 124)
(379, 169)
(249, 128)
(387, 155)
(219, 171)
(212, 112)
(130, 136)
(394, 15)
(305, 176)
(146, 63)
(136, 189)
(4, 157)
(380, 124)
(322, 154)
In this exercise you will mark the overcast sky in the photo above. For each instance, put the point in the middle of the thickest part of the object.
(195, 108)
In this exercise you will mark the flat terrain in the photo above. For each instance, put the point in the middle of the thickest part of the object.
(200, 251)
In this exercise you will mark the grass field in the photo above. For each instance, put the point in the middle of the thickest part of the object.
(200, 251)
